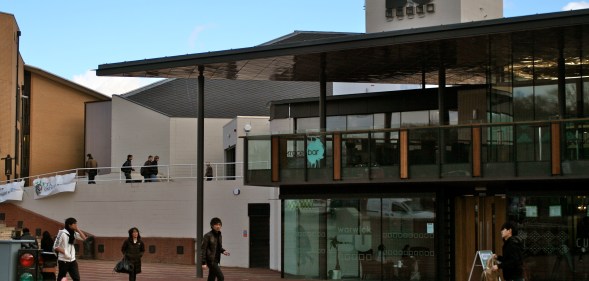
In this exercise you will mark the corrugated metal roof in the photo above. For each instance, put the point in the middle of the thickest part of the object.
(223, 98)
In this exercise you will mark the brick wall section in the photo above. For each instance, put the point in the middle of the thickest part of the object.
(165, 247)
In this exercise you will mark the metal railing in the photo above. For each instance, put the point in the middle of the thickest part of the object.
(166, 173)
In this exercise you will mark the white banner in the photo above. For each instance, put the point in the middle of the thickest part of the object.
(11, 191)
(49, 186)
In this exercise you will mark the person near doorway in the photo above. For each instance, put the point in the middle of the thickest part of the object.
(128, 168)
(211, 250)
(512, 260)
(64, 246)
(91, 165)
(133, 249)
(209, 172)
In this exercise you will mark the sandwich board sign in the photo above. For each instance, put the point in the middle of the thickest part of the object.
(482, 257)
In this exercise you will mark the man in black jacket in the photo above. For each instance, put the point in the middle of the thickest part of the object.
(512, 260)
(211, 250)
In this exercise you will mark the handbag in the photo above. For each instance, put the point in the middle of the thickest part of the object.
(123, 266)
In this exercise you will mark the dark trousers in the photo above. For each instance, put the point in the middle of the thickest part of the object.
(215, 272)
(68, 267)
(91, 175)
(128, 177)
(132, 276)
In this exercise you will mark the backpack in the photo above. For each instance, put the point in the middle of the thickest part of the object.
(125, 169)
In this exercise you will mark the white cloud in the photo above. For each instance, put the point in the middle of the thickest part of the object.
(111, 85)
(576, 6)
(193, 38)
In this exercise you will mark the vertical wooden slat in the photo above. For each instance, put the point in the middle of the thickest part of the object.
(555, 148)
(337, 157)
(404, 154)
(476, 151)
(275, 159)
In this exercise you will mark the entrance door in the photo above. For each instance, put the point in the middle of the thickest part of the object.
(259, 215)
(478, 220)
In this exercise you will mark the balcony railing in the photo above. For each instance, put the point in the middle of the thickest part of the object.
(480, 151)
(166, 173)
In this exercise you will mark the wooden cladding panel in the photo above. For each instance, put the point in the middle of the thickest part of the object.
(275, 159)
(555, 148)
(476, 151)
(404, 154)
(337, 157)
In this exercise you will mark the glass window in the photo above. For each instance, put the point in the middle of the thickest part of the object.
(310, 124)
(360, 122)
(360, 238)
(523, 103)
(336, 123)
(415, 118)
(546, 102)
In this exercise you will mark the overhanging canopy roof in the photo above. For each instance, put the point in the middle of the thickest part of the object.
(407, 56)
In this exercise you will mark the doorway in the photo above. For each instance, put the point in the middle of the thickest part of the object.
(478, 220)
(259, 226)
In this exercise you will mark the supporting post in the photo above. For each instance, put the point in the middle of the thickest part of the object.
(200, 169)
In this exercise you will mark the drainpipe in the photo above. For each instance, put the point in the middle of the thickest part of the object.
(17, 102)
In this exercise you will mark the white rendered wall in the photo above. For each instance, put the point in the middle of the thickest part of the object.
(138, 131)
(160, 209)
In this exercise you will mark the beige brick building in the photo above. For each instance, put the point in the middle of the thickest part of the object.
(41, 114)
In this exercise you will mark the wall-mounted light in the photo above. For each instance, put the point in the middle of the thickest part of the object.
(236, 191)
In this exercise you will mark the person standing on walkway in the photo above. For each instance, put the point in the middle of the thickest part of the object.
(128, 168)
(512, 260)
(146, 169)
(211, 250)
(91, 165)
(133, 249)
(64, 246)
(209, 172)
(153, 171)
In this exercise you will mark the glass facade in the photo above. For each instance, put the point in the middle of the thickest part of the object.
(555, 231)
(360, 238)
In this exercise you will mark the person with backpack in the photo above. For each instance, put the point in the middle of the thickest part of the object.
(128, 168)
(146, 169)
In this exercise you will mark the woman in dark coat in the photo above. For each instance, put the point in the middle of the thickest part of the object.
(133, 249)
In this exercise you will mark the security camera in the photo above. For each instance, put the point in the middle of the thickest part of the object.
(247, 128)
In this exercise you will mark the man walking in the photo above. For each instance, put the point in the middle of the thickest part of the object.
(127, 168)
(211, 250)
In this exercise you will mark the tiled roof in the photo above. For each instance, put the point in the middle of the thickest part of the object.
(300, 36)
(223, 98)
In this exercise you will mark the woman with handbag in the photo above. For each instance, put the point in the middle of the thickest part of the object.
(133, 249)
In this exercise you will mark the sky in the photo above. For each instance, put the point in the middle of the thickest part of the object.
(70, 38)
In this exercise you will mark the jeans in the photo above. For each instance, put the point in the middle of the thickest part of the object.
(68, 267)
(215, 272)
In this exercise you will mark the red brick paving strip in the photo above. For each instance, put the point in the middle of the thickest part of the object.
(98, 270)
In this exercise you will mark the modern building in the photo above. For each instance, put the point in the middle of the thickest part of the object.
(42, 128)
(418, 182)
(389, 15)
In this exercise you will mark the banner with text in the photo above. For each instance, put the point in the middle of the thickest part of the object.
(11, 191)
(50, 186)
